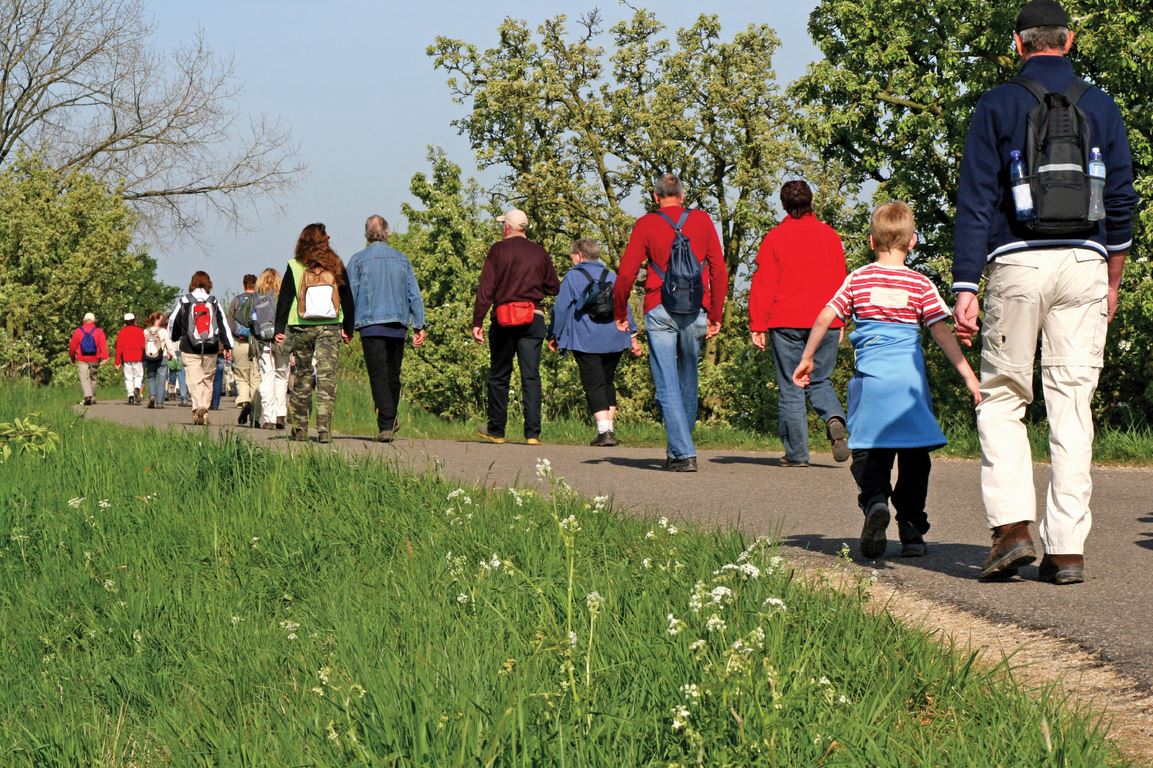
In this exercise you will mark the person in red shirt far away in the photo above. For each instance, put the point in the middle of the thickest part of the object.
(801, 264)
(88, 348)
(675, 332)
(130, 357)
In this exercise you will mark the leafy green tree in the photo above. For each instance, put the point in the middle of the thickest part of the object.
(65, 249)
(892, 101)
(580, 134)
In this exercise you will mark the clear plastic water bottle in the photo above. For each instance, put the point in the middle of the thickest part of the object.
(1096, 185)
(1022, 193)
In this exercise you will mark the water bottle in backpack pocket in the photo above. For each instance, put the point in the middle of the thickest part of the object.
(682, 284)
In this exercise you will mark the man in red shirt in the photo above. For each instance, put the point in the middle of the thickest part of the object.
(517, 272)
(130, 355)
(800, 265)
(674, 337)
(88, 348)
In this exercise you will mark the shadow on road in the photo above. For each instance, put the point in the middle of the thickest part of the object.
(962, 561)
(766, 461)
(624, 461)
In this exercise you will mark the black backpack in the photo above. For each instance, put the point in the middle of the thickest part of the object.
(683, 288)
(596, 302)
(1057, 144)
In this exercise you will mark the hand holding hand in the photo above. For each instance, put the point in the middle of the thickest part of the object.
(965, 317)
(623, 325)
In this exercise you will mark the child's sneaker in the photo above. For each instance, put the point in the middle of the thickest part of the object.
(912, 542)
(873, 541)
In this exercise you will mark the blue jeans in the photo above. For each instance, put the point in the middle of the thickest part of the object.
(674, 352)
(793, 423)
(218, 383)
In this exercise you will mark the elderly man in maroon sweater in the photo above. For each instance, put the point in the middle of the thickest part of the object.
(674, 338)
(516, 271)
(800, 265)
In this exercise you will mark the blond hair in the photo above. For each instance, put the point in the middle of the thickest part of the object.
(892, 226)
(268, 282)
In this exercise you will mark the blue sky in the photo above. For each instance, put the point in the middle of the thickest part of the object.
(350, 78)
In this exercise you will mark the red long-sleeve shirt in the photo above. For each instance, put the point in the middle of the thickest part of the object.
(652, 239)
(97, 336)
(130, 344)
(800, 265)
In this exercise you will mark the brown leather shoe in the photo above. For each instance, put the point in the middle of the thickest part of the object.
(1062, 569)
(1012, 548)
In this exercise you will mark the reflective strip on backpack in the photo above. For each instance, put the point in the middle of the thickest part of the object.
(1057, 167)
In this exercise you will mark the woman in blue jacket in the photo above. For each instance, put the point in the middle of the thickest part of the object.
(595, 342)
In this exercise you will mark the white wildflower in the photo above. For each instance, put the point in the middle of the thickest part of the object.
(775, 603)
(691, 691)
(663, 522)
(594, 601)
(289, 626)
(1125, 345)
(464, 598)
(110, 585)
(572, 639)
(570, 524)
(317, 690)
(104, 503)
(698, 645)
(492, 564)
(715, 624)
(332, 734)
(651, 535)
(719, 595)
(76, 501)
(680, 718)
(676, 626)
(324, 673)
(647, 562)
(600, 503)
(456, 494)
(137, 636)
(697, 597)
(750, 571)
(235, 620)
(290, 636)
(544, 469)
(672, 530)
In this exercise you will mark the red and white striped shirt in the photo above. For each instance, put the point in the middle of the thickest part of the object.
(892, 294)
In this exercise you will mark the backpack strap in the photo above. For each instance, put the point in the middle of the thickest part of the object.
(602, 280)
(676, 225)
(1072, 94)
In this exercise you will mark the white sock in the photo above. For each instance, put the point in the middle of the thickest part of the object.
(604, 425)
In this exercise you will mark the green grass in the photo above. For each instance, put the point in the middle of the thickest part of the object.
(171, 599)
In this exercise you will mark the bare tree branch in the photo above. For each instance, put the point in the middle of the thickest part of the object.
(81, 86)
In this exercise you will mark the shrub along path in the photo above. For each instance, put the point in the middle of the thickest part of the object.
(814, 509)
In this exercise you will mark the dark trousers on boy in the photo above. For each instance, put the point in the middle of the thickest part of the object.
(873, 468)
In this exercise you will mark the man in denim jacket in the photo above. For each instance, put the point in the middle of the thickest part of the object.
(388, 303)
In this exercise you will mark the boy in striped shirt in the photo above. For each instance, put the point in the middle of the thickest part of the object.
(890, 411)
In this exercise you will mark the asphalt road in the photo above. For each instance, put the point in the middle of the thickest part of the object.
(814, 509)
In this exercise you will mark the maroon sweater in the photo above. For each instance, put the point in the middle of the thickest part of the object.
(516, 269)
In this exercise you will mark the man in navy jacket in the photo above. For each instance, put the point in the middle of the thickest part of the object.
(1063, 287)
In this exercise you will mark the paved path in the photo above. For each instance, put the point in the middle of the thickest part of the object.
(813, 508)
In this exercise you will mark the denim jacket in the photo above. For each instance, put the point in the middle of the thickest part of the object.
(384, 287)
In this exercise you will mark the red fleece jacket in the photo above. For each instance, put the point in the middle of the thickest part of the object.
(130, 344)
(800, 265)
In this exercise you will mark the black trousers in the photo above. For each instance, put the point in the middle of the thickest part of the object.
(523, 342)
(383, 357)
(598, 371)
(872, 469)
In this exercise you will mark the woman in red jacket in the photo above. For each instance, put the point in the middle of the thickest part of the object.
(800, 265)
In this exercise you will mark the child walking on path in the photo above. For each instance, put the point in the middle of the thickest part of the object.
(890, 411)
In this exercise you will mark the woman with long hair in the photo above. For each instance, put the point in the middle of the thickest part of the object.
(272, 357)
(158, 349)
(197, 322)
(314, 313)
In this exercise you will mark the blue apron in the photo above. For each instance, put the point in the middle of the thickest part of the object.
(889, 404)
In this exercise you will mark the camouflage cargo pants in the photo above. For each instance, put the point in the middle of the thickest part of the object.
(313, 346)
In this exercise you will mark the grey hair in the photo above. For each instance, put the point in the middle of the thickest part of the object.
(1036, 39)
(376, 229)
(589, 250)
(669, 185)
